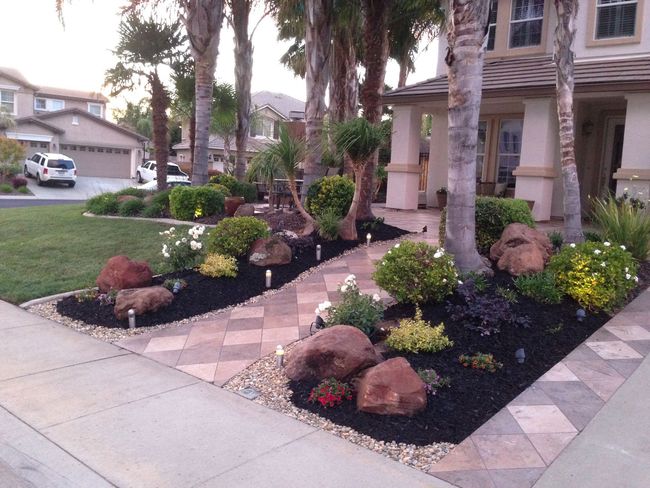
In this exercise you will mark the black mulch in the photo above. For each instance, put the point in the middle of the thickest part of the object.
(204, 294)
(474, 396)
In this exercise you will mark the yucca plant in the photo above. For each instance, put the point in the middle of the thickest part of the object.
(622, 223)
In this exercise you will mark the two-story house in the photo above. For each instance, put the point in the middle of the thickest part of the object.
(269, 110)
(518, 129)
(71, 122)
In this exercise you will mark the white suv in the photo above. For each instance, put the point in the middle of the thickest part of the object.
(147, 172)
(50, 167)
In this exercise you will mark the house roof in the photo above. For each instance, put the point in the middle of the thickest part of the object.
(16, 76)
(254, 144)
(287, 106)
(520, 76)
(36, 121)
(46, 91)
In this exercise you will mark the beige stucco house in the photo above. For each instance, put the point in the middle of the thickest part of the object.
(70, 122)
(518, 129)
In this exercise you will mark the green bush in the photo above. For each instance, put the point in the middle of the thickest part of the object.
(234, 236)
(328, 224)
(596, 275)
(541, 287)
(591, 236)
(23, 189)
(417, 335)
(416, 273)
(6, 188)
(218, 265)
(104, 204)
(129, 208)
(624, 223)
(134, 192)
(330, 192)
(236, 188)
(356, 309)
(152, 212)
(223, 189)
(190, 202)
(223, 179)
(492, 216)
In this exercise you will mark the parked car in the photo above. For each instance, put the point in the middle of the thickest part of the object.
(153, 185)
(51, 167)
(147, 172)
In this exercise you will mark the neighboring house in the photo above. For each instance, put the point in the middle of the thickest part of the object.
(269, 110)
(518, 128)
(71, 122)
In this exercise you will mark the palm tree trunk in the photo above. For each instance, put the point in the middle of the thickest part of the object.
(403, 72)
(375, 37)
(348, 228)
(317, 52)
(241, 10)
(192, 135)
(203, 19)
(226, 154)
(309, 220)
(159, 105)
(564, 36)
(465, 34)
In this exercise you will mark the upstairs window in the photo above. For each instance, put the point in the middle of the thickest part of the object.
(8, 102)
(48, 104)
(526, 21)
(492, 25)
(615, 18)
(95, 109)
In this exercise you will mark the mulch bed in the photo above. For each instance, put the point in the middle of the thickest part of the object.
(474, 396)
(204, 294)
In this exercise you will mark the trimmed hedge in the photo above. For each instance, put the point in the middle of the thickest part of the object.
(236, 188)
(130, 208)
(330, 192)
(188, 202)
(234, 236)
(103, 204)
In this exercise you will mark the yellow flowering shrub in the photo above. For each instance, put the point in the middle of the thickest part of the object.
(218, 265)
(417, 335)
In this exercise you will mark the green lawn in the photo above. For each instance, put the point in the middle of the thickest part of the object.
(52, 249)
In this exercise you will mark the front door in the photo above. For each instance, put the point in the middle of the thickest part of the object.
(612, 153)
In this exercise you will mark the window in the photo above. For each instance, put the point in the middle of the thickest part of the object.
(40, 104)
(44, 145)
(100, 149)
(615, 18)
(91, 149)
(509, 149)
(492, 25)
(95, 109)
(109, 150)
(480, 149)
(82, 148)
(125, 151)
(33, 144)
(526, 20)
(75, 120)
(8, 101)
(48, 104)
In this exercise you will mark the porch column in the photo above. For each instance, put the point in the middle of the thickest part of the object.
(634, 173)
(539, 147)
(404, 170)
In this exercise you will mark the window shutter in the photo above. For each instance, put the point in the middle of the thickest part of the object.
(616, 19)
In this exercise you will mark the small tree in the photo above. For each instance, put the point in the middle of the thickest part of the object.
(359, 139)
(223, 120)
(6, 121)
(12, 154)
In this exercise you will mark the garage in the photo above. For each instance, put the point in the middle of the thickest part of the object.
(100, 160)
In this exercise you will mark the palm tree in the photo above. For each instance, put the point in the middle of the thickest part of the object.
(145, 45)
(224, 117)
(466, 23)
(6, 122)
(184, 102)
(359, 139)
(564, 35)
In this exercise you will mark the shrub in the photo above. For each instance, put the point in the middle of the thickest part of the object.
(508, 294)
(541, 287)
(188, 202)
(152, 212)
(330, 192)
(134, 192)
(485, 313)
(432, 380)
(596, 275)
(556, 238)
(591, 236)
(416, 273)
(328, 224)
(356, 309)
(182, 252)
(479, 360)
(6, 188)
(624, 223)
(417, 335)
(129, 208)
(223, 179)
(330, 393)
(492, 216)
(234, 236)
(103, 204)
(218, 265)
(159, 204)
(18, 181)
(373, 224)
(87, 295)
(236, 188)
(221, 188)
(23, 189)
(12, 155)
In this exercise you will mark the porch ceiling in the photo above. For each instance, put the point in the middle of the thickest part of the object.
(510, 77)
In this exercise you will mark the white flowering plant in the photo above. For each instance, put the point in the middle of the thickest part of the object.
(598, 275)
(357, 309)
(182, 251)
(416, 272)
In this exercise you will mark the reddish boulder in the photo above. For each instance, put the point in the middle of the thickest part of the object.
(340, 352)
(270, 251)
(232, 204)
(120, 273)
(142, 300)
(521, 250)
(391, 388)
(520, 260)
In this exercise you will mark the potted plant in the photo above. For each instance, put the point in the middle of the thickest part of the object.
(441, 195)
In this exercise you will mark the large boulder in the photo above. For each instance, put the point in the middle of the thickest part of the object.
(340, 352)
(245, 210)
(521, 250)
(142, 300)
(391, 388)
(270, 251)
(120, 273)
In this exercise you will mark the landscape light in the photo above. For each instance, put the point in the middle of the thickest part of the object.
(520, 355)
(318, 252)
(368, 238)
(279, 356)
(580, 314)
(268, 278)
(131, 314)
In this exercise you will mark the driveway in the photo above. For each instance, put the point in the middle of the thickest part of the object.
(86, 187)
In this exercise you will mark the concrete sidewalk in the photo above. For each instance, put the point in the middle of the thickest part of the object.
(75, 411)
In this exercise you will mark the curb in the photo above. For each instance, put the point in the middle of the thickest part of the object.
(38, 301)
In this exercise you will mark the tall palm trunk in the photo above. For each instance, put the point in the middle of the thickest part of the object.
(159, 105)
(403, 72)
(203, 19)
(465, 33)
(317, 52)
(309, 220)
(192, 136)
(241, 10)
(564, 36)
(348, 227)
(375, 37)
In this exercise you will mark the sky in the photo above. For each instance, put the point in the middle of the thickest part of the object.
(76, 56)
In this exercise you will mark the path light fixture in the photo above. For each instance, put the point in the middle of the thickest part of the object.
(316, 325)
(520, 355)
(279, 356)
(131, 314)
(368, 238)
(581, 314)
(268, 278)
(177, 287)
(318, 252)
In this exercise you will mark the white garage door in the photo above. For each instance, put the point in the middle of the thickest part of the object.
(100, 161)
